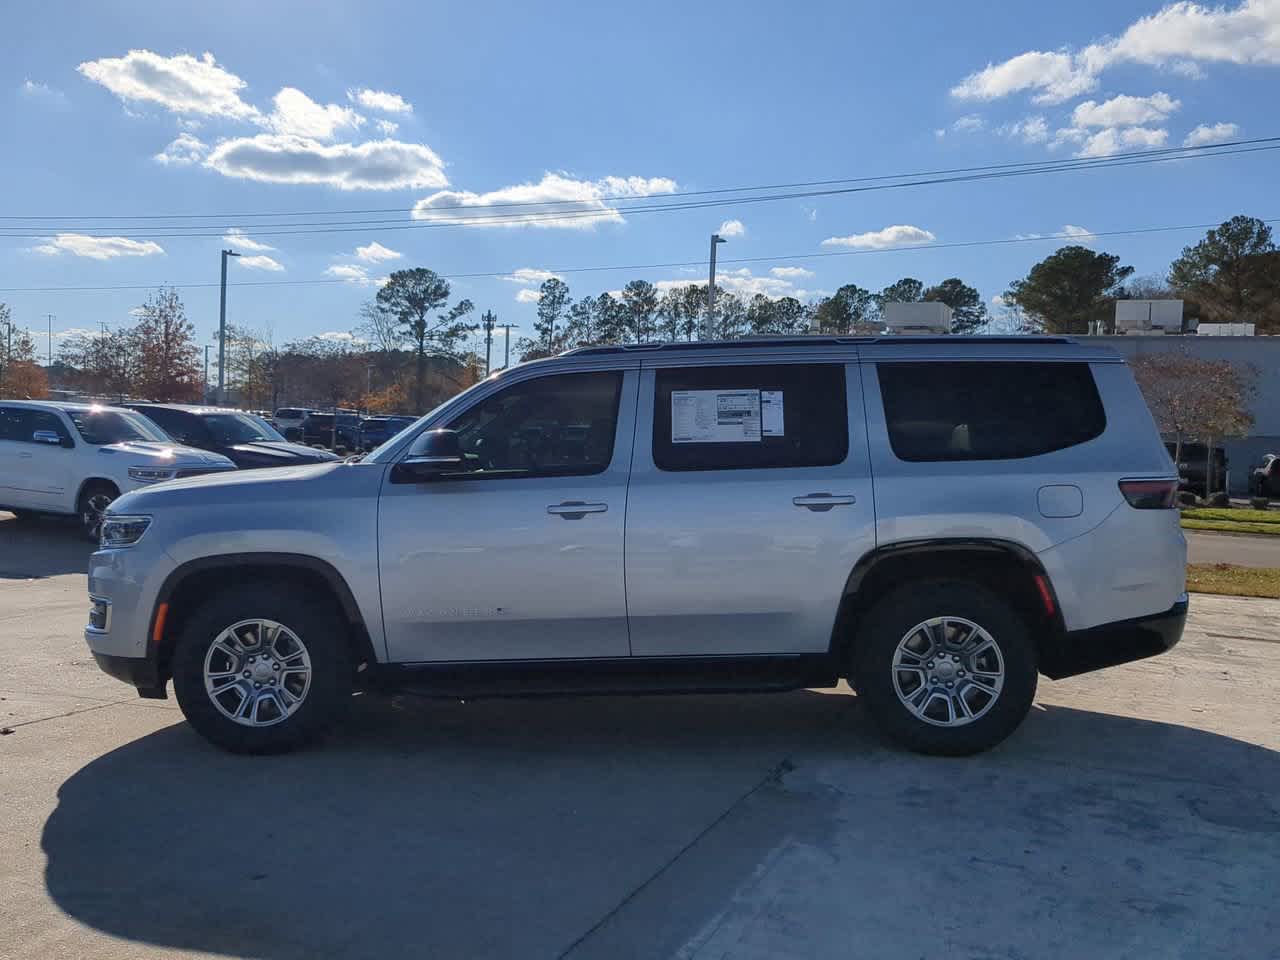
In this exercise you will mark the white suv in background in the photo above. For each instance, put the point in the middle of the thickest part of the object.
(76, 458)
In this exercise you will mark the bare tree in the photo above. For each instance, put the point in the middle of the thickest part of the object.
(1195, 399)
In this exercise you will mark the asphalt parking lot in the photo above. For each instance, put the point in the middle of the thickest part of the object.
(1133, 815)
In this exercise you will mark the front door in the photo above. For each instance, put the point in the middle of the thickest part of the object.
(750, 503)
(519, 555)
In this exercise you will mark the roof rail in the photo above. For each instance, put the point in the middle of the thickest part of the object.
(805, 341)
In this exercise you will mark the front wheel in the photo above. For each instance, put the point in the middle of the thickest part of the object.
(945, 667)
(260, 670)
(92, 508)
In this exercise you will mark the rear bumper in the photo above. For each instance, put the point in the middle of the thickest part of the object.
(1111, 644)
(140, 672)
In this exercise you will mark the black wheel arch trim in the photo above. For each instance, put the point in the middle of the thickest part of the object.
(297, 561)
(840, 634)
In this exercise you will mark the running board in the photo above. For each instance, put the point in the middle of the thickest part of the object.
(550, 678)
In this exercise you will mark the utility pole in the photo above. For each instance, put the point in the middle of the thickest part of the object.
(506, 341)
(50, 319)
(205, 393)
(222, 329)
(489, 320)
(709, 323)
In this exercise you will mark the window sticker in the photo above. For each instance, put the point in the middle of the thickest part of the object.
(715, 416)
(771, 419)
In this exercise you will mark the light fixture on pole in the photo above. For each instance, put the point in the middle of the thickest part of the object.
(222, 329)
(708, 324)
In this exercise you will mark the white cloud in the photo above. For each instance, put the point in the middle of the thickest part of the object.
(746, 284)
(1082, 234)
(377, 253)
(98, 248)
(236, 237)
(970, 123)
(181, 84)
(895, 236)
(583, 202)
(260, 262)
(182, 152)
(297, 114)
(350, 272)
(1124, 111)
(527, 295)
(341, 336)
(997, 301)
(1114, 140)
(42, 92)
(380, 100)
(812, 214)
(732, 228)
(529, 275)
(790, 273)
(386, 127)
(1055, 76)
(940, 133)
(1179, 37)
(1029, 129)
(1211, 133)
(375, 165)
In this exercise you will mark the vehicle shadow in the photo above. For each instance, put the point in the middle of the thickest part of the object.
(512, 828)
(43, 547)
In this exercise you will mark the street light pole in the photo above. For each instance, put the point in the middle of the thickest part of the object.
(490, 320)
(222, 329)
(709, 322)
(506, 345)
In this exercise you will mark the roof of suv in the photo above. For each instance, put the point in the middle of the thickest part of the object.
(186, 407)
(882, 347)
(62, 404)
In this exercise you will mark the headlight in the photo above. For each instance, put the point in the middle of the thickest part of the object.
(152, 474)
(123, 531)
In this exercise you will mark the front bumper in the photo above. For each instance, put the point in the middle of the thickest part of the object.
(140, 672)
(1111, 644)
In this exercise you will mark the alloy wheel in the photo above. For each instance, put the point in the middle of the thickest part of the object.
(257, 673)
(948, 671)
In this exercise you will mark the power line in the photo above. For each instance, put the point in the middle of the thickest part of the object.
(618, 268)
(867, 184)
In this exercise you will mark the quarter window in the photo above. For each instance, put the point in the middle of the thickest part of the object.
(988, 411)
(557, 426)
(750, 417)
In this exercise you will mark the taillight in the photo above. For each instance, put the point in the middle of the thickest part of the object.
(1150, 494)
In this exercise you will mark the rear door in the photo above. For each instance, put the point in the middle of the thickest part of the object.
(750, 502)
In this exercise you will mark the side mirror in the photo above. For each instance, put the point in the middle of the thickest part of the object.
(47, 436)
(433, 454)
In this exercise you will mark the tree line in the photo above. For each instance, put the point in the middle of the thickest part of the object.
(412, 345)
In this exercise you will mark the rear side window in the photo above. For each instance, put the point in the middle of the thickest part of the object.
(750, 417)
(988, 411)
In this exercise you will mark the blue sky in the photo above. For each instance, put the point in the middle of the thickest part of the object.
(124, 109)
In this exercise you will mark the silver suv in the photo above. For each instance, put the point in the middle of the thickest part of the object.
(936, 520)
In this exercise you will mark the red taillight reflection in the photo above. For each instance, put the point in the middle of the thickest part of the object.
(1150, 494)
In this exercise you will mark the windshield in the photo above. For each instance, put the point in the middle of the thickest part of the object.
(228, 429)
(99, 426)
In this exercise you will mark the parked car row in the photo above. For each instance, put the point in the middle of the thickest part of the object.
(74, 459)
(338, 428)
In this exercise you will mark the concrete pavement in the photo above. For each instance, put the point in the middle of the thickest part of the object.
(1132, 816)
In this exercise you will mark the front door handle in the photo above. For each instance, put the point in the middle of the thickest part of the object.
(576, 509)
(822, 502)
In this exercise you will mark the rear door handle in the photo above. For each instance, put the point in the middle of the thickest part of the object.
(576, 509)
(821, 502)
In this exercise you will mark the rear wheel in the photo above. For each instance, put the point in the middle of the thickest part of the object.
(260, 670)
(92, 507)
(945, 667)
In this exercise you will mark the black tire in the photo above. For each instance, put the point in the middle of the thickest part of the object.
(322, 631)
(92, 506)
(890, 621)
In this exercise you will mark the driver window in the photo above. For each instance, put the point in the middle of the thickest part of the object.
(553, 426)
